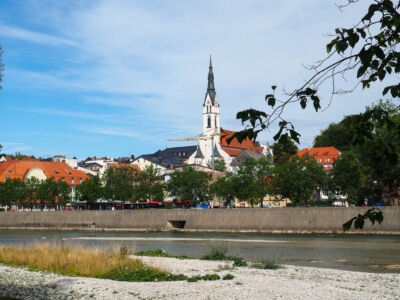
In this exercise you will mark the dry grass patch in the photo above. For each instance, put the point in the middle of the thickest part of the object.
(69, 261)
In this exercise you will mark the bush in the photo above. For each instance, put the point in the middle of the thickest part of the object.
(216, 251)
(237, 261)
(210, 277)
(228, 277)
(265, 263)
(160, 253)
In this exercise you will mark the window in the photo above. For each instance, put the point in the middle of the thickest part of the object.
(326, 159)
(215, 122)
(319, 160)
(80, 180)
(5, 179)
(73, 180)
(63, 179)
(209, 122)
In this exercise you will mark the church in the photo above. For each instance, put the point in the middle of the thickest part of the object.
(212, 142)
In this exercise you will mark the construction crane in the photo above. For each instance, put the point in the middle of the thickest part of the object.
(198, 138)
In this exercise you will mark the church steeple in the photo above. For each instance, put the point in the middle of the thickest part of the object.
(210, 86)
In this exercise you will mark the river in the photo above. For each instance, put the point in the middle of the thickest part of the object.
(367, 253)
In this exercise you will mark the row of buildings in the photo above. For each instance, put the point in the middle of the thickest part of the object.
(210, 145)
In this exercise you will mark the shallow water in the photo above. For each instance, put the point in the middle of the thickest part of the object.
(369, 253)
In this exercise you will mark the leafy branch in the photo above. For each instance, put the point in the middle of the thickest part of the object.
(372, 214)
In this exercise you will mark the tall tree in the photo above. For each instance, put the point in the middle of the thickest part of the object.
(283, 150)
(336, 135)
(149, 186)
(188, 184)
(90, 190)
(298, 177)
(119, 183)
(224, 187)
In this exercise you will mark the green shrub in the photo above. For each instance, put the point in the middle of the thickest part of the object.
(211, 277)
(160, 253)
(237, 261)
(228, 277)
(216, 251)
(265, 263)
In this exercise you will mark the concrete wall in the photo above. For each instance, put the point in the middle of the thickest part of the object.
(302, 220)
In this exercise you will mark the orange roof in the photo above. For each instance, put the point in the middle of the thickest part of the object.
(234, 147)
(56, 170)
(322, 155)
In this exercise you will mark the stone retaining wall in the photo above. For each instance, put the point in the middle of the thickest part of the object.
(279, 220)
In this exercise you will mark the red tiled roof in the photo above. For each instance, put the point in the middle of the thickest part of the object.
(234, 147)
(321, 154)
(57, 170)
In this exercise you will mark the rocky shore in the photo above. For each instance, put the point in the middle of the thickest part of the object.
(290, 282)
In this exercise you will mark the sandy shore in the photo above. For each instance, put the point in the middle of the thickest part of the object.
(288, 283)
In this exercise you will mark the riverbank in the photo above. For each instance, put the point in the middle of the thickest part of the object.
(306, 220)
(288, 283)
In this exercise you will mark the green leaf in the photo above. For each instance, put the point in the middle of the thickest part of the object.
(273, 87)
(303, 103)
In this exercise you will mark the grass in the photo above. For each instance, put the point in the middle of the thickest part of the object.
(159, 253)
(219, 250)
(89, 263)
(265, 263)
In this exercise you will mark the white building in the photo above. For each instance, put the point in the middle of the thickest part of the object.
(213, 141)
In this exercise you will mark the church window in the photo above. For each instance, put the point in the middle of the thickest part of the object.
(215, 122)
(209, 122)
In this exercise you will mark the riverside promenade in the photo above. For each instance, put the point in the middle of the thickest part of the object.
(268, 220)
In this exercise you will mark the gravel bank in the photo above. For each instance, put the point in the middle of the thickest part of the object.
(288, 283)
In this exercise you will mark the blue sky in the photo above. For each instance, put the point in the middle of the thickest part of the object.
(116, 78)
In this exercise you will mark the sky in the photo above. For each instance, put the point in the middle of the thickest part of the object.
(115, 78)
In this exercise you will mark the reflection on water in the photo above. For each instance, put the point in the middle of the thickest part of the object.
(358, 253)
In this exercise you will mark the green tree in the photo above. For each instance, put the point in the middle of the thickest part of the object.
(219, 165)
(53, 192)
(347, 179)
(224, 188)
(119, 183)
(254, 180)
(298, 177)
(188, 184)
(370, 47)
(11, 191)
(30, 187)
(283, 149)
(336, 135)
(90, 190)
(149, 186)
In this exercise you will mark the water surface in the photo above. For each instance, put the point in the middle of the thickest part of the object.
(369, 253)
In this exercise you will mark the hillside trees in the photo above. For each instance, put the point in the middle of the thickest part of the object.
(370, 168)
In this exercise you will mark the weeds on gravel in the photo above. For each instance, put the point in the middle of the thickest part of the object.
(160, 253)
(89, 263)
(218, 251)
(67, 260)
(265, 263)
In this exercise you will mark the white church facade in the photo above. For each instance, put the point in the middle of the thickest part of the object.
(211, 145)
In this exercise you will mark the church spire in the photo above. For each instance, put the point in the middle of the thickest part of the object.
(210, 86)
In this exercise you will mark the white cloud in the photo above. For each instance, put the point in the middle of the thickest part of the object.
(35, 37)
(150, 59)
